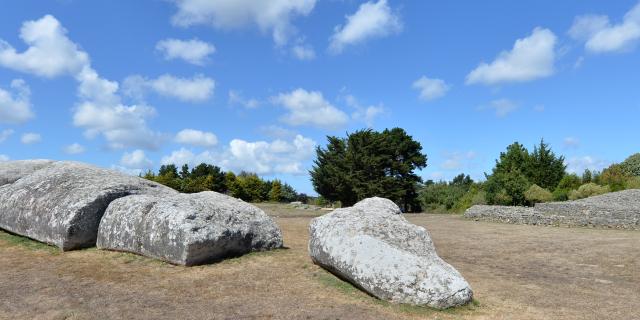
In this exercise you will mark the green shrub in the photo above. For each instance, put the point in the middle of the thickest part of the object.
(561, 194)
(588, 190)
(503, 199)
(633, 183)
(473, 197)
(570, 182)
(507, 188)
(536, 194)
(615, 177)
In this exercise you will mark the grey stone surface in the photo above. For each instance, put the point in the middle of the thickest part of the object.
(187, 229)
(619, 210)
(11, 171)
(63, 202)
(374, 247)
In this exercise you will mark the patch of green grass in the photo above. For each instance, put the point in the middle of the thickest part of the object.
(13, 240)
(352, 291)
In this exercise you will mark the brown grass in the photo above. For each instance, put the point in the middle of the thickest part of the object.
(517, 272)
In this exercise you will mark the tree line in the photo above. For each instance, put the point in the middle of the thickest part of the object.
(522, 178)
(207, 177)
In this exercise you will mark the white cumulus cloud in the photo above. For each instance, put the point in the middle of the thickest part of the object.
(30, 138)
(600, 35)
(261, 157)
(16, 107)
(193, 51)
(372, 20)
(310, 108)
(136, 159)
(579, 164)
(530, 58)
(196, 138)
(50, 52)
(431, 89)
(196, 89)
(272, 16)
(366, 114)
(4, 158)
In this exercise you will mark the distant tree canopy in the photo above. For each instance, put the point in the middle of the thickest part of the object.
(517, 169)
(206, 177)
(368, 163)
(518, 179)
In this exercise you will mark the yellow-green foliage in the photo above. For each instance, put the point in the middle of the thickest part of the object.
(588, 190)
(615, 177)
(536, 194)
(633, 183)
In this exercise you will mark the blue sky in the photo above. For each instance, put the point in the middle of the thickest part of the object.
(256, 85)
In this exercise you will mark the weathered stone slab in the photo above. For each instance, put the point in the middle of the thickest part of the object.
(11, 171)
(374, 247)
(63, 202)
(187, 229)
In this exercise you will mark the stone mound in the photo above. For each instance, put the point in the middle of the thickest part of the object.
(619, 210)
(374, 247)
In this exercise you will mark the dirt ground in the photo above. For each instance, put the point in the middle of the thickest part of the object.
(517, 272)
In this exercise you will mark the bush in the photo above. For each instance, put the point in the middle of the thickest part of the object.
(507, 188)
(615, 177)
(633, 183)
(570, 182)
(473, 197)
(588, 190)
(536, 194)
(503, 199)
(561, 194)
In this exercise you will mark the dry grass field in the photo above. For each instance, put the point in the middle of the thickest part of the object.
(517, 272)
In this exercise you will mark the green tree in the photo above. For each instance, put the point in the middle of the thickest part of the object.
(216, 182)
(169, 169)
(289, 194)
(275, 194)
(184, 171)
(251, 187)
(369, 163)
(631, 165)
(507, 183)
(544, 168)
(587, 176)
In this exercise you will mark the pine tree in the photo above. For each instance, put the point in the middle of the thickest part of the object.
(368, 163)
